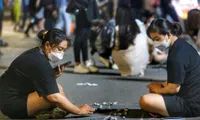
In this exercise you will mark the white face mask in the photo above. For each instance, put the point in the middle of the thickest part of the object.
(55, 57)
(163, 45)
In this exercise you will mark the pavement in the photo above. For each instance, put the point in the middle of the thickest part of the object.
(105, 86)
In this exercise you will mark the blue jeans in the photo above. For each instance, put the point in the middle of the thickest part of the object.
(64, 20)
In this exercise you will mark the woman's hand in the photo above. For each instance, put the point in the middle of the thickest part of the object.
(59, 71)
(85, 109)
(154, 87)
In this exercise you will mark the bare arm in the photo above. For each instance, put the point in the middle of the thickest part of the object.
(165, 88)
(169, 88)
(63, 103)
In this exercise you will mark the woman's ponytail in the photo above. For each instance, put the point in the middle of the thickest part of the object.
(42, 34)
(177, 29)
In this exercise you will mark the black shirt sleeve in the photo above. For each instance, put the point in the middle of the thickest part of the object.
(176, 72)
(44, 81)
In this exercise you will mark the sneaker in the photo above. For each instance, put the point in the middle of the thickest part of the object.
(90, 63)
(92, 69)
(3, 44)
(1, 53)
(81, 69)
(27, 35)
(115, 67)
(104, 61)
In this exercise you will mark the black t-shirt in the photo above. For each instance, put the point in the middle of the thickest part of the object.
(85, 17)
(165, 4)
(137, 4)
(183, 67)
(29, 72)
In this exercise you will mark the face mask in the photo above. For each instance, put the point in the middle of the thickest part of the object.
(55, 57)
(163, 45)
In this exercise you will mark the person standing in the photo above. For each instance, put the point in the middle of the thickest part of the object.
(25, 7)
(64, 18)
(35, 11)
(168, 9)
(84, 19)
(17, 14)
(2, 43)
(50, 13)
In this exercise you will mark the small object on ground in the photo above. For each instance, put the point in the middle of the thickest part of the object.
(115, 103)
(104, 103)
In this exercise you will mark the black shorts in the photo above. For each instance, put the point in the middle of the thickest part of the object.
(177, 106)
(16, 108)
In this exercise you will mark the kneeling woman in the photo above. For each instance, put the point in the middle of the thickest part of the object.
(29, 85)
(180, 94)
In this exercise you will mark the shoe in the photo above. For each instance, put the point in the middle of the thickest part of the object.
(104, 61)
(92, 69)
(115, 67)
(81, 69)
(3, 44)
(27, 35)
(1, 54)
(90, 65)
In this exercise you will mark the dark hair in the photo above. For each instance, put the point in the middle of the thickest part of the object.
(193, 22)
(123, 15)
(163, 26)
(127, 34)
(146, 15)
(54, 36)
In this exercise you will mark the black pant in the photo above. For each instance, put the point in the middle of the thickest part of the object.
(32, 23)
(1, 21)
(49, 23)
(81, 44)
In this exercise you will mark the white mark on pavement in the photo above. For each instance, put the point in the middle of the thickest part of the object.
(87, 84)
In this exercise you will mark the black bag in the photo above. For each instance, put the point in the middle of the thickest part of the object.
(75, 6)
(107, 34)
(105, 39)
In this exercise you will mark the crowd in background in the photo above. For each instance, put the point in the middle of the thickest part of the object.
(113, 28)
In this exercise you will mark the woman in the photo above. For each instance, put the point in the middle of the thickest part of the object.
(64, 18)
(193, 26)
(29, 85)
(180, 94)
(131, 50)
(37, 14)
(17, 14)
(85, 18)
(50, 13)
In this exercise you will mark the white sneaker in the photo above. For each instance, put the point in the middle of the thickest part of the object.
(81, 69)
(91, 67)
(115, 67)
(90, 63)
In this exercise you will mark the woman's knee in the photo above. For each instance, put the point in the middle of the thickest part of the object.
(147, 101)
(144, 101)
